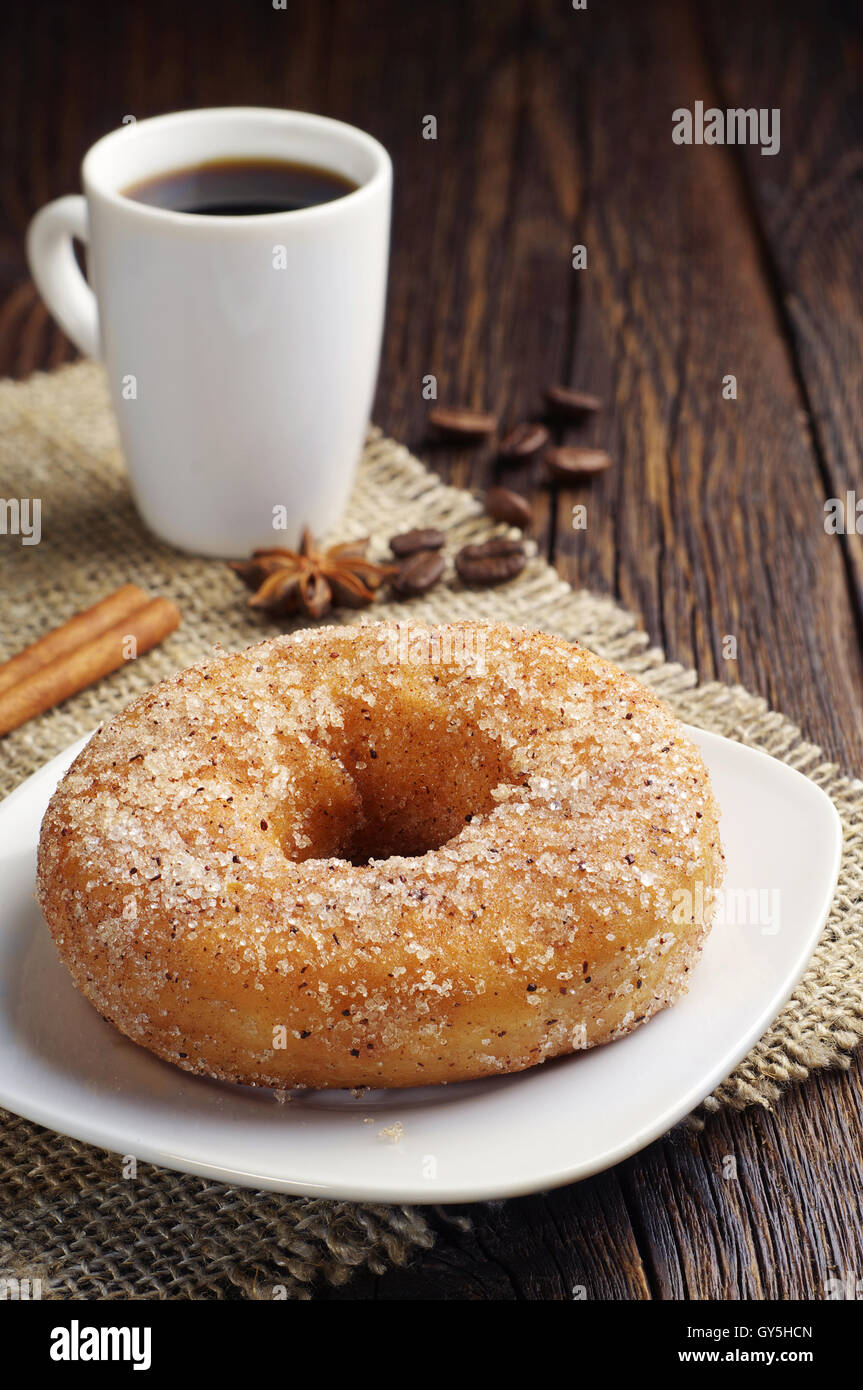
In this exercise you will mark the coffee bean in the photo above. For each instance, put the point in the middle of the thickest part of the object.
(571, 403)
(418, 573)
(411, 541)
(523, 441)
(569, 461)
(460, 422)
(491, 563)
(511, 507)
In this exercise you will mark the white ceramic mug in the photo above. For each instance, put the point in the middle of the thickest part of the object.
(242, 352)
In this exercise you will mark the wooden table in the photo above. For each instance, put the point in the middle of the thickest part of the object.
(554, 130)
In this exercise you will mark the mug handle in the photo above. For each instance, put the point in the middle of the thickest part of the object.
(55, 270)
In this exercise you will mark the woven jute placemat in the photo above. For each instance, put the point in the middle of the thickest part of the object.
(66, 1214)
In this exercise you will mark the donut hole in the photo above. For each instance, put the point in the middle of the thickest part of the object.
(418, 786)
(402, 778)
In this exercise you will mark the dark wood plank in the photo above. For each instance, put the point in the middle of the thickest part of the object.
(809, 201)
(710, 525)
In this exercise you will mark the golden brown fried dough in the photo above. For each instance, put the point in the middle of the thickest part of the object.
(382, 855)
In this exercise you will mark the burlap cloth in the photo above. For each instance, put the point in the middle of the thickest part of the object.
(64, 1209)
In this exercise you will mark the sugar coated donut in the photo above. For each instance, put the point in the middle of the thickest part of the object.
(383, 855)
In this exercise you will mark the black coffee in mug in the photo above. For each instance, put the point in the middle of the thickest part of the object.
(241, 188)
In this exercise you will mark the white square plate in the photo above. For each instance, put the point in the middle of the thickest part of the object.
(63, 1066)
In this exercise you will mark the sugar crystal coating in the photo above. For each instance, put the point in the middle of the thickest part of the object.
(384, 854)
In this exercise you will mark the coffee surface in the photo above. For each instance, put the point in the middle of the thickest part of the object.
(241, 188)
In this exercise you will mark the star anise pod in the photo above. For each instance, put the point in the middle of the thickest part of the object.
(311, 580)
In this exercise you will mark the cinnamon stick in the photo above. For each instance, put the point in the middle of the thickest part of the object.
(74, 670)
(75, 633)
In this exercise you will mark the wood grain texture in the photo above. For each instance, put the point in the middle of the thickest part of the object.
(808, 204)
(554, 129)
